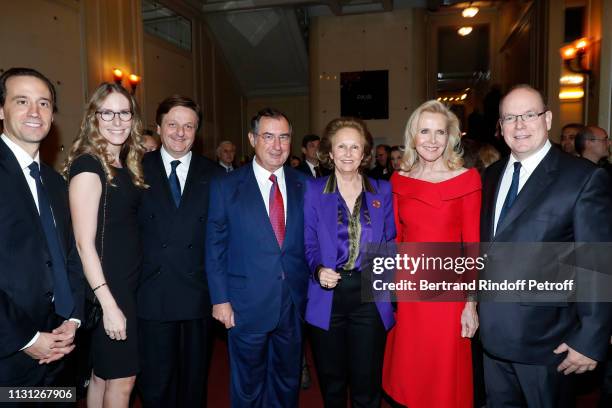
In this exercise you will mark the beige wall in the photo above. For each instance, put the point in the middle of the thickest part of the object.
(77, 44)
(296, 108)
(168, 70)
(384, 41)
(53, 48)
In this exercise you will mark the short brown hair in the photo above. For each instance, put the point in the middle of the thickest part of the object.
(177, 100)
(334, 127)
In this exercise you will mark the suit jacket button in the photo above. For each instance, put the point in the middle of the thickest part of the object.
(164, 245)
(190, 246)
(49, 294)
(49, 264)
(201, 218)
(152, 216)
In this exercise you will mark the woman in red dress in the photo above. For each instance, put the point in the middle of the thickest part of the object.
(428, 361)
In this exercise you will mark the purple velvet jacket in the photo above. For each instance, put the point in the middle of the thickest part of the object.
(321, 236)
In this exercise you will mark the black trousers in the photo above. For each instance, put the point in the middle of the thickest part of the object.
(510, 384)
(350, 354)
(174, 359)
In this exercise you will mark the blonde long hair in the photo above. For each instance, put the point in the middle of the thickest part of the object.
(453, 153)
(90, 141)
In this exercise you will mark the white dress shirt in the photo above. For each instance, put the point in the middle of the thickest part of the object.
(181, 170)
(263, 181)
(24, 159)
(528, 165)
(227, 167)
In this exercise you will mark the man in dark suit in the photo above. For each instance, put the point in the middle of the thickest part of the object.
(173, 301)
(539, 194)
(256, 268)
(41, 283)
(226, 153)
(310, 165)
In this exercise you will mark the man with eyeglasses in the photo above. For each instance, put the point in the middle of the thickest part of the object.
(539, 194)
(41, 279)
(257, 270)
(173, 302)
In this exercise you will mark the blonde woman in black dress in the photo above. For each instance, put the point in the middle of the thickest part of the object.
(105, 182)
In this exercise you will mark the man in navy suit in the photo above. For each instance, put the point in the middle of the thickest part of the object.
(540, 194)
(173, 302)
(256, 268)
(41, 282)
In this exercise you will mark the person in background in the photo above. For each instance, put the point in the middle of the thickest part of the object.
(150, 141)
(106, 182)
(396, 157)
(382, 169)
(226, 153)
(295, 161)
(41, 288)
(436, 200)
(488, 155)
(310, 165)
(568, 135)
(343, 213)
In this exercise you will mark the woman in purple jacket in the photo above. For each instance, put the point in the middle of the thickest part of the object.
(343, 213)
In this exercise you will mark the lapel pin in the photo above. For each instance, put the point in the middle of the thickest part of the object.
(376, 204)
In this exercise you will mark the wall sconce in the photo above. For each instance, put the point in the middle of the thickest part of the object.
(571, 93)
(117, 76)
(470, 11)
(573, 56)
(134, 81)
(463, 31)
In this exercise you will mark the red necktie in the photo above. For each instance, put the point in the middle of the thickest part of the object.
(277, 211)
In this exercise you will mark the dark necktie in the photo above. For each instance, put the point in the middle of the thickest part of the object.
(512, 193)
(175, 186)
(317, 170)
(277, 211)
(62, 295)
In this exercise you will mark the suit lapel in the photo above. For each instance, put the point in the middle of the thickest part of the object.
(374, 201)
(253, 207)
(491, 191)
(56, 201)
(162, 181)
(193, 172)
(535, 186)
(295, 205)
(9, 161)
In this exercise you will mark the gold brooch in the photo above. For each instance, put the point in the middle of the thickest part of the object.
(376, 204)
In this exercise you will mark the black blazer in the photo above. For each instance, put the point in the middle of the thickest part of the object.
(173, 283)
(564, 200)
(26, 278)
(304, 168)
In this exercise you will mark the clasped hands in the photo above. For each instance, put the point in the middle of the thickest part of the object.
(50, 347)
(328, 278)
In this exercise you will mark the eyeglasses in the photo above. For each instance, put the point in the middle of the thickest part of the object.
(268, 138)
(525, 117)
(600, 140)
(109, 115)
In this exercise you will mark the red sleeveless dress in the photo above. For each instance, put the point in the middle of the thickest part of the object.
(427, 362)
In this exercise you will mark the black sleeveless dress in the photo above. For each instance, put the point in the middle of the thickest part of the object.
(121, 253)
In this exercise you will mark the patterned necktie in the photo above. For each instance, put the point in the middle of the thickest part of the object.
(62, 294)
(277, 211)
(175, 186)
(512, 193)
(317, 170)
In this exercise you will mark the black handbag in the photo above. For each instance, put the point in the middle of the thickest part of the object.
(93, 309)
